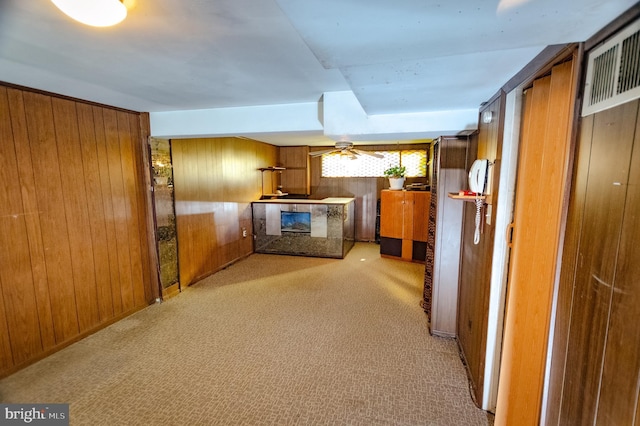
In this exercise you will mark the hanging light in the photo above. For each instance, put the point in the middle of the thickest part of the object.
(97, 13)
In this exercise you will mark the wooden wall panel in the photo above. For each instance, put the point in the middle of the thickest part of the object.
(55, 235)
(95, 209)
(15, 265)
(71, 208)
(106, 155)
(477, 259)
(30, 203)
(128, 135)
(215, 180)
(120, 213)
(595, 273)
(76, 212)
(621, 368)
(567, 273)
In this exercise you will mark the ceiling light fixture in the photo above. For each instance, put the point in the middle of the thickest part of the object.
(97, 13)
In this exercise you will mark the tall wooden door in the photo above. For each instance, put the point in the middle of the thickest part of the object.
(540, 188)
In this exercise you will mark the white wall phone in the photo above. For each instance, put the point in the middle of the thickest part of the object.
(478, 176)
(478, 184)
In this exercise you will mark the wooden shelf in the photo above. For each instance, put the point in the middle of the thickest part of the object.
(456, 196)
(271, 169)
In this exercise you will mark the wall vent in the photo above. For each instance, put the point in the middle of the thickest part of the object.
(613, 71)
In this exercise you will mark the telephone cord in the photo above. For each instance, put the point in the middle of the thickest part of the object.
(476, 235)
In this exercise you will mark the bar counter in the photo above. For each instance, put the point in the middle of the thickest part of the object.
(304, 227)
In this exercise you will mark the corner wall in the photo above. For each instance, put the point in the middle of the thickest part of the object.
(73, 222)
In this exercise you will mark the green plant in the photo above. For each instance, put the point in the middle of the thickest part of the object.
(395, 172)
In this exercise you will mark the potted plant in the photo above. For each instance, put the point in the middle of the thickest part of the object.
(396, 176)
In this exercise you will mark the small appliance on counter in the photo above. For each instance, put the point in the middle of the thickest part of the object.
(417, 187)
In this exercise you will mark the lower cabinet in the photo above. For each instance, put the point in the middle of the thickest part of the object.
(404, 220)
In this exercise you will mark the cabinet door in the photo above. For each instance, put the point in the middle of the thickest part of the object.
(421, 202)
(295, 179)
(295, 157)
(391, 213)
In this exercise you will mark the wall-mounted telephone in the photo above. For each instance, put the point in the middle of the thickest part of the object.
(478, 184)
(478, 176)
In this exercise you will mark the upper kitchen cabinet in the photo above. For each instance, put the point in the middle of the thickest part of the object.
(296, 179)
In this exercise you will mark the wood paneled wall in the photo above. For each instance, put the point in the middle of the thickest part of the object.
(366, 191)
(73, 222)
(596, 355)
(215, 181)
(476, 260)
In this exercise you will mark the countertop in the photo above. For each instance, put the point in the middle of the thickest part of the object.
(330, 200)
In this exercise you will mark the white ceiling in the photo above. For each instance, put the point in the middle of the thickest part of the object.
(397, 57)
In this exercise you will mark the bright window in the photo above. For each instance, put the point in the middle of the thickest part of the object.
(338, 165)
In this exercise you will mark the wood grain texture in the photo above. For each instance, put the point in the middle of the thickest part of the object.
(32, 221)
(404, 215)
(18, 292)
(421, 202)
(215, 180)
(537, 219)
(621, 368)
(76, 212)
(296, 178)
(120, 213)
(51, 204)
(567, 272)
(95, 209)
(107, 154)
(71, 250)
(128, 136)
(391, 214)
(597, 254)
(477, 259)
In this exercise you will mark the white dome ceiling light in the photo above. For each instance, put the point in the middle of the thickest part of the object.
(97, 13)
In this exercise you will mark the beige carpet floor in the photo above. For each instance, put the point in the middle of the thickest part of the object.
(271, 340)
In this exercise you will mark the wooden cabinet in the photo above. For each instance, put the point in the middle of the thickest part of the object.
(296, 178)
(404, 218)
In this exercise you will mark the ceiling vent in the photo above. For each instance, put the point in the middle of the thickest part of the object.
(613, 71)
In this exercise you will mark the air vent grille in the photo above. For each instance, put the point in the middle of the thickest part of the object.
(603, 75)
(629, 63)
(613, 71)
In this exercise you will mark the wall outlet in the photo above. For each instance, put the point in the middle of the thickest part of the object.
(244, 232)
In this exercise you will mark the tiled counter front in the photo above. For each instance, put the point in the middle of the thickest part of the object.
(319, 228)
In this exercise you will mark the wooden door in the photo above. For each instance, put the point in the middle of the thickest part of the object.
(540, 188)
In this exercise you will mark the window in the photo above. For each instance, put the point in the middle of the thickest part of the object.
(337, 165)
